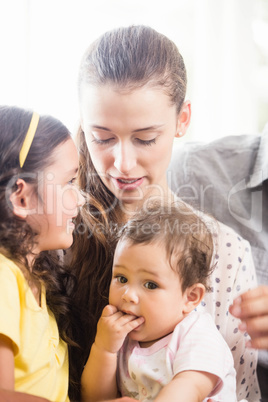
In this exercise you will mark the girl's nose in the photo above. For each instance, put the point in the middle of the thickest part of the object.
(125, 158)
(130, 296)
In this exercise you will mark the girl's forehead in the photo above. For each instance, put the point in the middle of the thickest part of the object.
(64, 159)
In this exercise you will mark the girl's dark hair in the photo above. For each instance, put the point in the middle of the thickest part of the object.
(16, 236)
(185, 237)
(91, 259)
(125, 58)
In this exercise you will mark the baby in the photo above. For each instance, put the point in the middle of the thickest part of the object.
(151, 343)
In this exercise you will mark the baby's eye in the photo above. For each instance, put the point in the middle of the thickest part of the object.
(121, 279)
(150, 285)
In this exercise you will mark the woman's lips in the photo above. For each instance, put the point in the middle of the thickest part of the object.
(127, 184)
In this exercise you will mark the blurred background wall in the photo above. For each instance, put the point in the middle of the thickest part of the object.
(224, 44)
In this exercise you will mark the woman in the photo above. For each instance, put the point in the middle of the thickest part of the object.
(132, 86)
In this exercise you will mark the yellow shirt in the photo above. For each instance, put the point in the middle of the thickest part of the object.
(41, 357)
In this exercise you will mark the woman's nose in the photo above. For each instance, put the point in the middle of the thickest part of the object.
(125, 158)
(130, 296)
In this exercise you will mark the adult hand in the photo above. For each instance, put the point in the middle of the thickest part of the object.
(252, 308)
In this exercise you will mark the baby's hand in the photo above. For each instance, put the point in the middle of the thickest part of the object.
(113, 327)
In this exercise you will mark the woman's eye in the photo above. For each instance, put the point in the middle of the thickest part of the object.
(99, 141)
(150, 285)
(121, 279)
(146, 142)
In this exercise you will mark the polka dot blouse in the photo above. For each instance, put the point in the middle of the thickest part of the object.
(234, 274)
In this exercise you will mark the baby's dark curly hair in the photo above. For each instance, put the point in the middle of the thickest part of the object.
(185, 236)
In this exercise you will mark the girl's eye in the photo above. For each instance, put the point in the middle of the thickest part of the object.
(72, 181)
(121, 279)
(150, 285)
(146, 142)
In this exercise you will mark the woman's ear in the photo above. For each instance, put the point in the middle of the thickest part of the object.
(193, 296)
(21, 199)
(184, 119)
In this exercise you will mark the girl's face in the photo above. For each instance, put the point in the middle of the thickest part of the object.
(129, 136)
(59, 200)
(144, 285)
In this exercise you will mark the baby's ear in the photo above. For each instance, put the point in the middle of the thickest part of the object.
(193, 296)
(21, 199)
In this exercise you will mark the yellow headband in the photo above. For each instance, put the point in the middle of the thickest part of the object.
(28, 138)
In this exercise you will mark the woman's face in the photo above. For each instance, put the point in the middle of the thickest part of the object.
(129, 136)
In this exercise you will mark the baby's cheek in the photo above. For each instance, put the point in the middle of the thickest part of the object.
(114, 296)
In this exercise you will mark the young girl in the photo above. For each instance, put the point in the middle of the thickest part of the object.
(132, 86)
(38, 202)
(161, 269)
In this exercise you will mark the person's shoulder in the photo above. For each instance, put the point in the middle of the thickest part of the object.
(220, 230)
(8, 267)
(228, 144)
(193, 324)
(206, 162)
(194, 318)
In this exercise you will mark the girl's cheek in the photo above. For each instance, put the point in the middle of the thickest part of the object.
(69, 201)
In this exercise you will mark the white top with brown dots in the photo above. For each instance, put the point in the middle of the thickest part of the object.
(234, 274)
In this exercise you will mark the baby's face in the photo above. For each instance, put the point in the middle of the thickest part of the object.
(144, 284)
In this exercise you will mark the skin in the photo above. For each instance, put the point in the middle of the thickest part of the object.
(61, 200)
(11, 396)
(251, 308)
(143, 288)
(130, 136)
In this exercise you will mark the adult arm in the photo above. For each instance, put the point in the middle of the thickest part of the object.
(99, 375)
(190, 386)
(252, 308)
